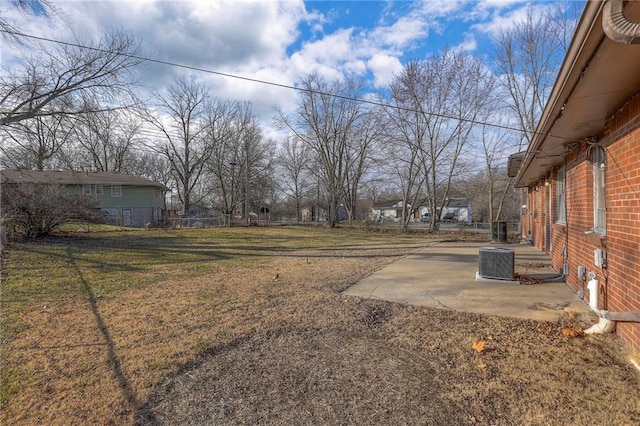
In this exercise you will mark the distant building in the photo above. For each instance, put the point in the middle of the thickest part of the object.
(457, 208)
(123, 199)
(390, 210)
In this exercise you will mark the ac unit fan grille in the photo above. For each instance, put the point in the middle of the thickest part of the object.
(496, 262)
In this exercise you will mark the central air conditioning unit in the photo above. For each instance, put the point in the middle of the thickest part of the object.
(496, 262)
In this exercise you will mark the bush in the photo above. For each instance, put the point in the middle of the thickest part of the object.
(34, 210)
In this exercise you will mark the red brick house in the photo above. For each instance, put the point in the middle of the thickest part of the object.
(582, 169)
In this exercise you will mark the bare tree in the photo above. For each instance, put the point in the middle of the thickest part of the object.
(224, 141)
(262, 181)
(182, 122)
(494, 145)
(67, 78)
(255, 161)
(364, 136)
(377, 187)
(438, 101)
(295, 178)
(240, 160)
(405, 136)
(36, 144)
(326, 123)
(26, 7)
(151, 166)
(108, 139)
(527, 56)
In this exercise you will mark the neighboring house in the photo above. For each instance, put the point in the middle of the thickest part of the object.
(391, 209)
(460, 208)
(582, 168)
(124, 199)
(313, 213)
(197, 209)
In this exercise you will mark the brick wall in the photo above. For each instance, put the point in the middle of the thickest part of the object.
(623, 216)
(620, 279)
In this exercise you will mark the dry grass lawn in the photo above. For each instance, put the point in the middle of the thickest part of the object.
(248, 325)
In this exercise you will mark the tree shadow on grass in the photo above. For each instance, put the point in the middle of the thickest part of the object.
(127, 254)
(113, 361)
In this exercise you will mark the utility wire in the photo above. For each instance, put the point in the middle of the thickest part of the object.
(269, 83)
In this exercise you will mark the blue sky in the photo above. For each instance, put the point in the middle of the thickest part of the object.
(279, 41)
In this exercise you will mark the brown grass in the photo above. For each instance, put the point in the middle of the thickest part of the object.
(255, 330)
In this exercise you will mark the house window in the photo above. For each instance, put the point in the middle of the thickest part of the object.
(561, 208)
(99, 190)
(599, 206)
(116, 191)
(86, 189)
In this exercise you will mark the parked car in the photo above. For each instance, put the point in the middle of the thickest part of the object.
(450, 217)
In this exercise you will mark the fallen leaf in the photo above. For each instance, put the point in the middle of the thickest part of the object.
(478, 346)
(571, 332)
(545, 328)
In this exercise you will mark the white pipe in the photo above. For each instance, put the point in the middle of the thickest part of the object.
(592, 286)
(603, 326)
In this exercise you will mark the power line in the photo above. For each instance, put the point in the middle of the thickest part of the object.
(269, 83)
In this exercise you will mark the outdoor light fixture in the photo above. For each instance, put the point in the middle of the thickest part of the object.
(547, 182)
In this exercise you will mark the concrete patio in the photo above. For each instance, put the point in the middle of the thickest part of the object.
(443, 275)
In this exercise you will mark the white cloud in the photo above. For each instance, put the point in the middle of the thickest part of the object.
(261, 39)
(500, 22)
(403, 32)
(384, 67)
(219, 35)
(440, 7)
(330, 56)
(469, 44)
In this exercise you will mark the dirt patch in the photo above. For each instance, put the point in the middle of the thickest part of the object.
(303, 377)
(275, 341)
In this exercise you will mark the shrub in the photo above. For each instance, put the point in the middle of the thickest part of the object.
(33, 210)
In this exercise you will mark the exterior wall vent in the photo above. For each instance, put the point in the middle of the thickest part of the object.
(496, 262)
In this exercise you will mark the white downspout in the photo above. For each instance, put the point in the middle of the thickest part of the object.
(604, 325)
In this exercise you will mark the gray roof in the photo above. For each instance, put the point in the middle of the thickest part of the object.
(387, 204)
(457, 203)
(75, 178)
